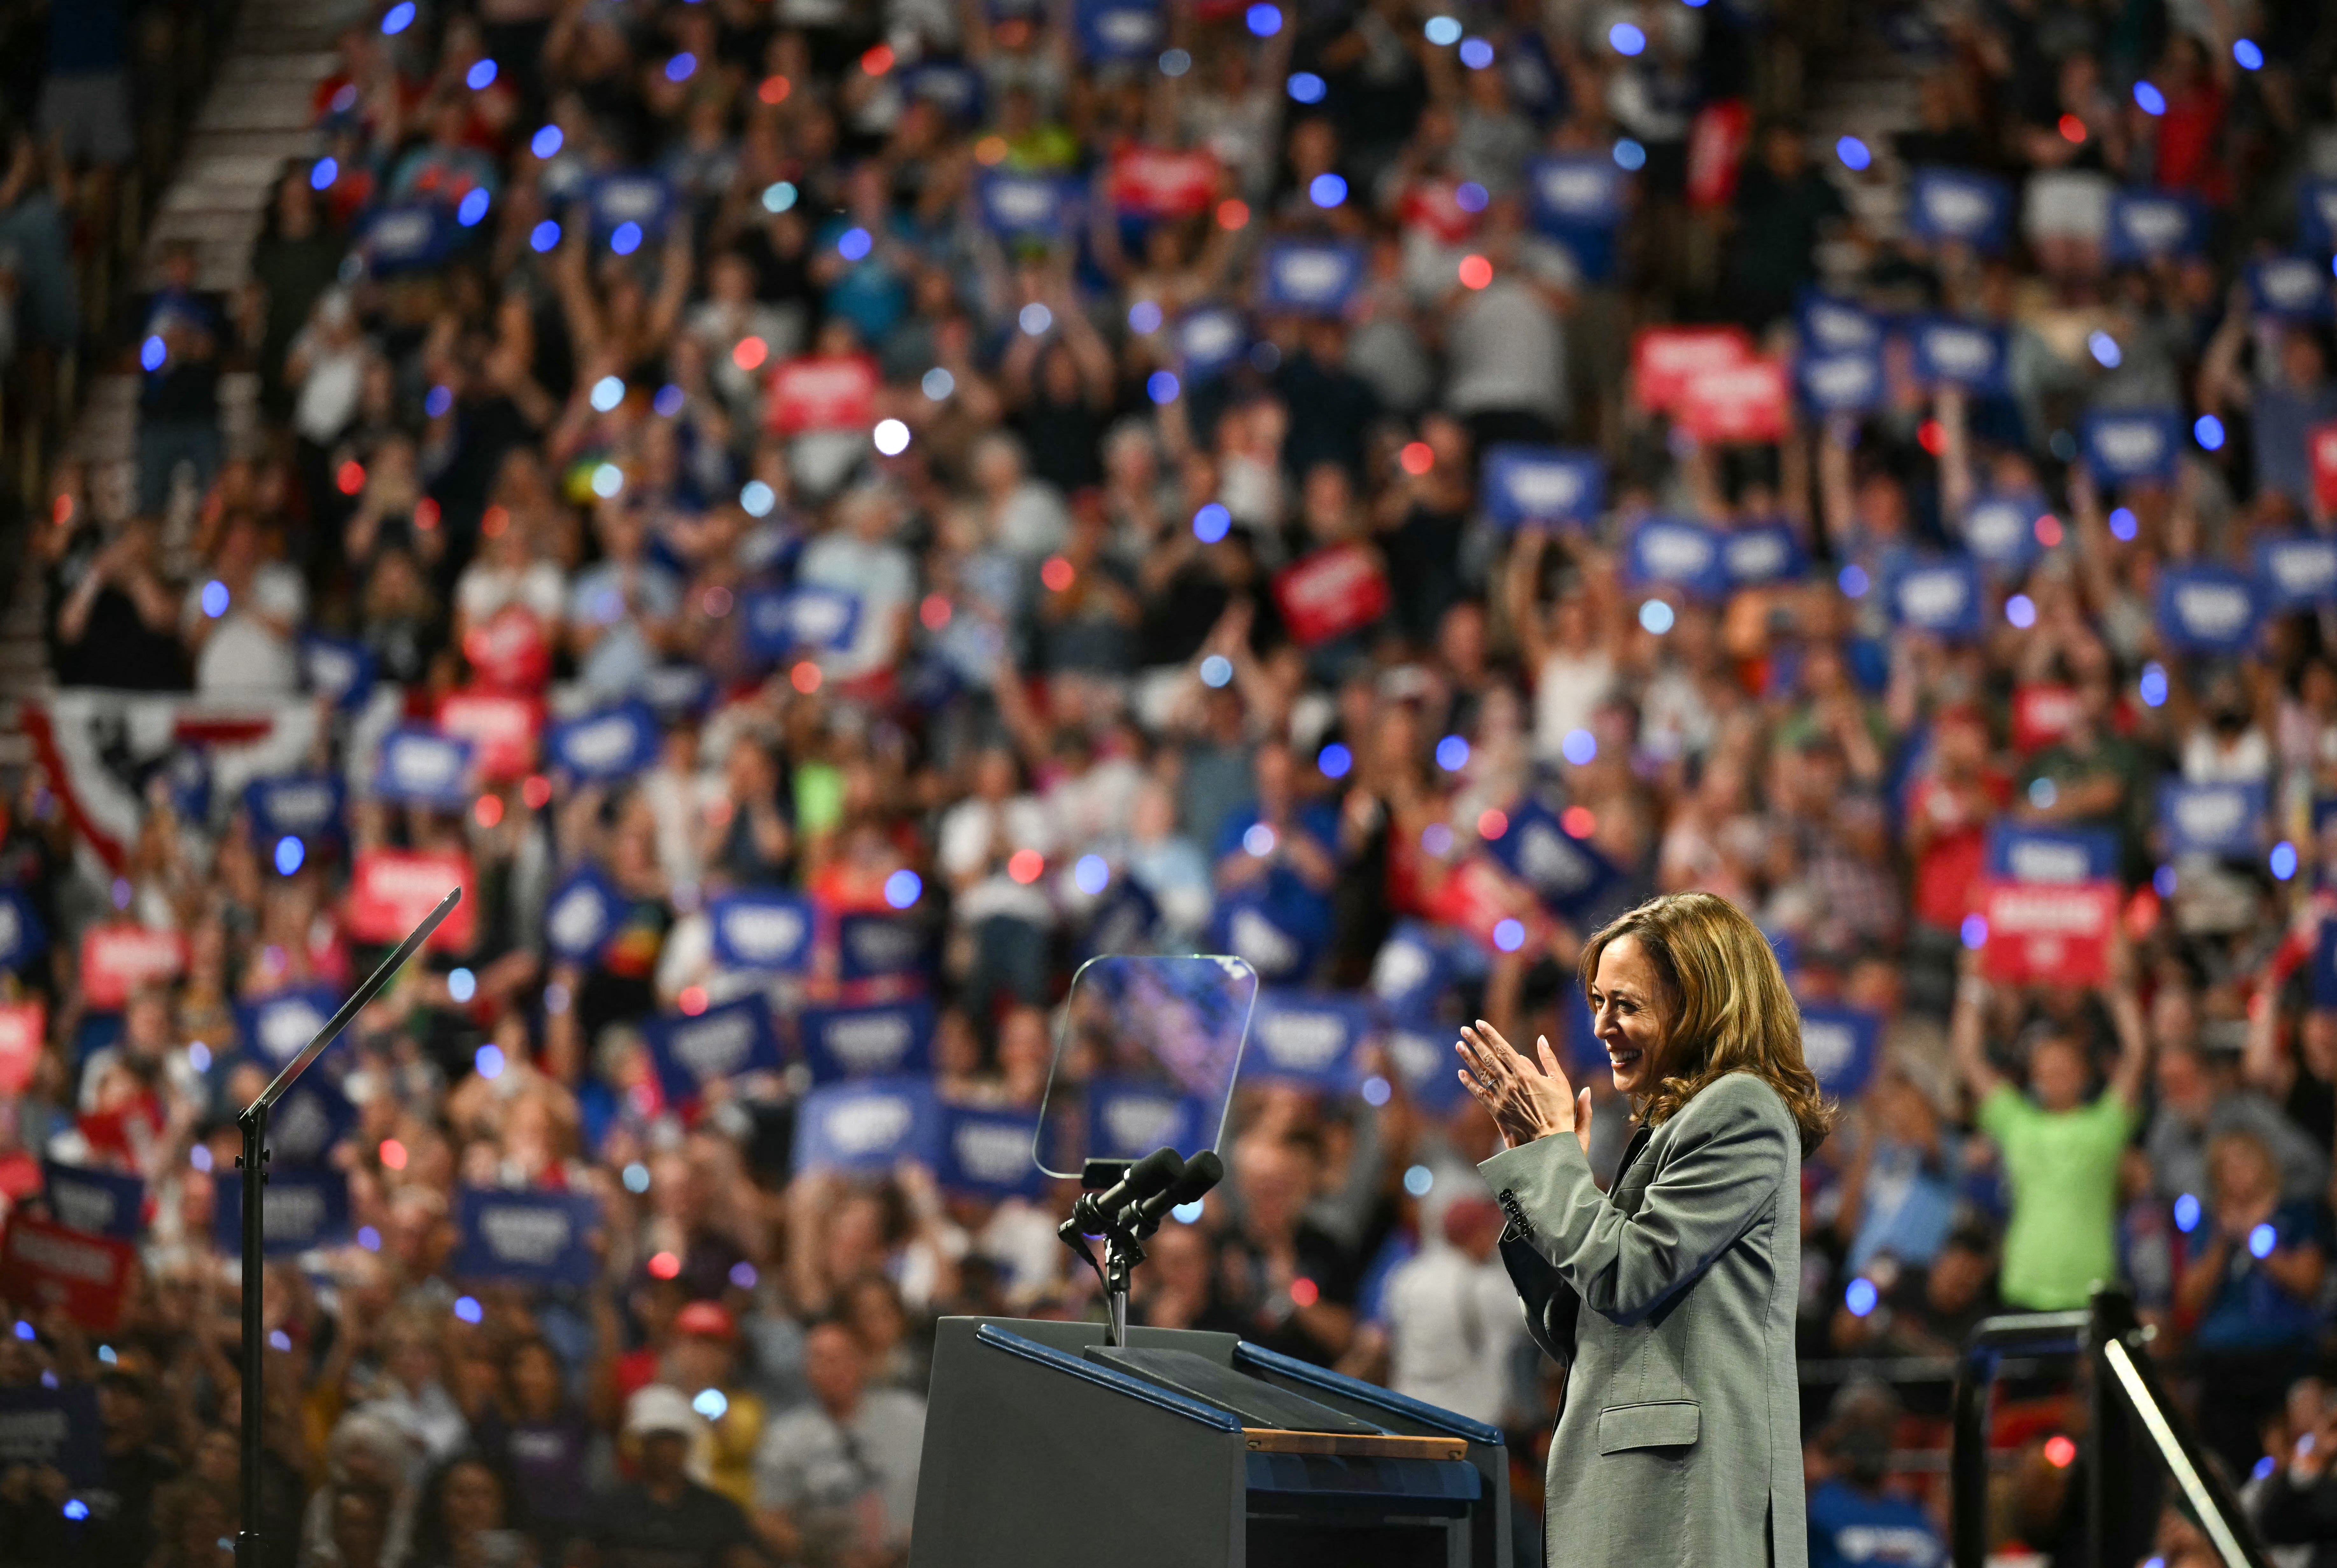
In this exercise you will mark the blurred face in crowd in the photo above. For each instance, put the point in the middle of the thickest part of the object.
(472, 1500)
(1630, 1011)
(663, 1456)
(2056, 1071)
(833, 1367)
(535, 1381)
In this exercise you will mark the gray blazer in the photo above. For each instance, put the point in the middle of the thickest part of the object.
(1671, 1301)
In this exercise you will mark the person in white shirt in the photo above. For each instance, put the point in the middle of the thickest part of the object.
(1451, 1315)
(836, 1479)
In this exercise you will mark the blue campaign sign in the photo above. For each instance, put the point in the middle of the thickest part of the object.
(311, 1118)
(1120, 29)
(1954, 206)
(308, 1207)
(2208, 609)
(1423, 1060)
(1940, 595)
(871, 1126)
(1574, 192)
(872, 945)
(634, 196)
(2033, 854)
(307, 807)
(615, 743)
(1209, 339)
(419, 766)
(1543, 484)
(2296, 287)
(986, 1153)
(2324, 966)
(1839, 1044)
(1309, 276)
(2148, 226)
(1842, 380)
(783, 621)
(1678, 553)
(1279, 936)
(2001, 530)
(952, 88)
(530, 1238)
(2297, 573)
(1018, 206)
(54, 1428)
(721, 1042)
(94, 1202)
(1411, 970)
(23, 938)
(275, 1027)
(2216, 819)
(1564, 872)
(580, 917)
(867, 1042)
(760, 929)
(1952, 353)
(1127, 1119)
(411, 237)
(2128, 444)
(1831, 325)
(1761, 552)
(676, 691)
(2316, 214)
(337, 668)
(1305, 1038)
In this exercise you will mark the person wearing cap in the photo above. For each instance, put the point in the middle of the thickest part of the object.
(662, 1518)
(702, 1361)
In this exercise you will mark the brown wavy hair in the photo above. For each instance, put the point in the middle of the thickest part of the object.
(1730, 1011)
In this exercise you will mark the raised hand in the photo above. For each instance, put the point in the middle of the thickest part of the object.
(1526, 1102)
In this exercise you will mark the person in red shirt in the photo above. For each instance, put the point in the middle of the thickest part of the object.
(1948, 809)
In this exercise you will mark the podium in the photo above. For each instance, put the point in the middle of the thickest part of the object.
(1048, 1448)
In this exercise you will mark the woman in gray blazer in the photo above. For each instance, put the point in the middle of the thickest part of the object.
(1671, 1299)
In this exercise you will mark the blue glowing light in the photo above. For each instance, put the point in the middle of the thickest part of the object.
(1216, 671)
(1657, 617)
(1509, 935)
(679, 67)
(488, 1061)
(1263, 21)
(462, 985)
(1862, 1297)
(543, 236)
(1305, 87)
(2021, 610)
(472, 209)
(1419, 1181)
(322, 173)
(1629, 154)
(1854, 582)
(1853, 153)
(1974, 931)
(2262, 1240)
(1579, 747)
(1376, 1090)
(546, 142)
(153, 352)
(1453, 754)
(710, 1403)
(2150, 98)
(854, 244)
(1626, 38)
(2246, 55)
(1334, 761)
(1212, 523)
(397, 18)
(2152, 686)
(2123, 524)
(1442, 31)
(1476, 54)
(481, 75)
(627, 238)
(1092, 874)
(1144, 316)
(215, 599)
(2186, 1214)
(2209, 431)
(904, 888)
(1161, 386)
(1326, 191)
(2284, 861)
(289, 853)
(467, 1308)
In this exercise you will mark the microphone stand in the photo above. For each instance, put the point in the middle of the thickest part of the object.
(253, 1162)
(1123, 1251)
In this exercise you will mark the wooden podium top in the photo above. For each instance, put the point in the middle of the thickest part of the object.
(1353, 1445)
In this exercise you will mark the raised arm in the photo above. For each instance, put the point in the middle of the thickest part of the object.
(2126, 1015)
(1972, 994)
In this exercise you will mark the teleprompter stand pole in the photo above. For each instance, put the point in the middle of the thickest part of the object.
(254, 1162)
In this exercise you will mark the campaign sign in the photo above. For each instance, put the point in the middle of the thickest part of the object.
(2041, 714)
(419, 766)
(780, 622)
(1842, 380)
(1952, 206)
(2129, 446)
(1940, 596)
(2316, 214)
(2052, 933)
(308, 1207)
(761, 930)
(409, 238)
(1576, 192)
(1208, 340)
(1019, 206)
(1965, 354)
(676, 691)
(1310, 277)
(1305, 1038)
(1543, 484)
(275, 1027)
(2297, 573)
(828, 392)
(1155, 183)
(1564, 872)
(1332, 592)
(870, 1125)
(2324, 966)
(1127, 1119)
(391, 891)
(2206, 609)
(1120, 30)
(1759, 553)
(1425, 1063)
(2321, 452)
(44, 1264)
(307, 807)
(1829, 325)
(502, 728)
(23, 938)
(581, 916)
(95, 1203)
(1264, 931)
(869, 946)
(2148, 226)
(631, 196)
(722, 1042)
(2019, 853)
(119, 956)
(615, 743)
(1676, 553)
(54, 1428)
(952, 88)
(986, 1153)
(337, 668)
(311, 1118)
(1409, 970)
(532, 1238)
(2214, 819)
(867, 1042)
(2001, 530)
(1840, 1045)
(509, 651)
(24, 1026)
(1737, 404)
(2295, 287)
(1664, 359)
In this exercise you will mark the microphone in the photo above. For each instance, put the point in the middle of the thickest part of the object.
(1202, 1171)
(1100, 1212)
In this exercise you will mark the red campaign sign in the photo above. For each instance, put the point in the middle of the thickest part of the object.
(1737, 403)
(510, 652)
(1715, 149)
(1158, 183)
(2048, 933)
(1331, 591)
(829, 392)
(502, 729)
(23, 1027)
(1435, 206)
(391, 890)
(1478, 895)
(46, 1265)
(2042, 715)
(118, 957)
(1664, 359)
(2321, 446)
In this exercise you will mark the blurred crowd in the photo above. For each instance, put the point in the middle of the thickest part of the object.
(822, 515)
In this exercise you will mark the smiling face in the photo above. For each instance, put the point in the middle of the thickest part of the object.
(1629, 1011)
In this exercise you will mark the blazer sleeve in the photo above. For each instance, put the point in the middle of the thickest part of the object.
(1717, 1174)
(1550, 1303)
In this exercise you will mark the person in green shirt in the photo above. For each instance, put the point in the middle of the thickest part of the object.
(2060, 1151)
